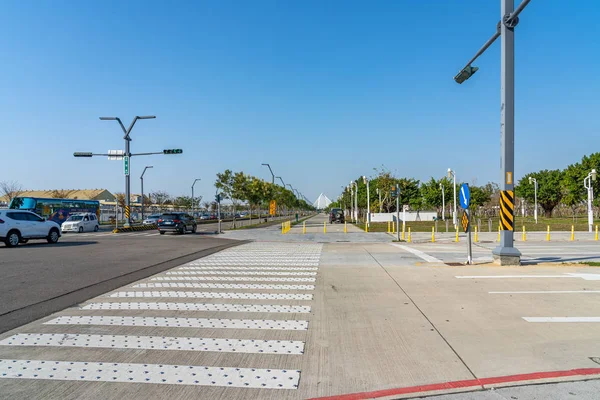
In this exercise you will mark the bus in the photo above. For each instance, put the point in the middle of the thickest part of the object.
(57, 210)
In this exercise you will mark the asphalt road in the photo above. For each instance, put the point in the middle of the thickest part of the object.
(38, 278)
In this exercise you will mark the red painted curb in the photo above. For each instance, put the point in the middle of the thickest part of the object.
(470, 383)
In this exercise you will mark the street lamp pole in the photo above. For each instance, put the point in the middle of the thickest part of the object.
(272, 174)
(380, 205)
(142, 179)
(351, 202)
(535, 188)
(128, 155)
(366, 181)
(193, 195)
(282, 182)
(452, 174)
(443, 202)
(590, 192)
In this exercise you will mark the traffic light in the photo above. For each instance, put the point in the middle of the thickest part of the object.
(465, 74)
(80, 154)
(172, 151)
(394, 191)
(218, 198)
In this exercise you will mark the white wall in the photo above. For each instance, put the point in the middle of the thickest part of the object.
(410, 216)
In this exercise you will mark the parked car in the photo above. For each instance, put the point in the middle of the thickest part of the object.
(336, 215)
(152, 219)
(177, 223)
(81, 222)
(19, 226)
(204, 217)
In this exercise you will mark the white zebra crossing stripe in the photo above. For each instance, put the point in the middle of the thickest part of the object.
(223, 286)
(265, 308)
(149, 373)
(231, 279)
(215, 295)
(219, 272)
(155, 343)
(252, 268)
(179, 322)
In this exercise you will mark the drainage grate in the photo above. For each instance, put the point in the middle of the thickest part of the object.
(175, 322)
(149, 373)
(217, 295)
(156, 343)
(223, 286)
(264, 308)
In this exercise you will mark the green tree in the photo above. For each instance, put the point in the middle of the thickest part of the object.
(550, 191)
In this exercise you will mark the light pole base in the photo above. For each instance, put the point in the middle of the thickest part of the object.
(506, 256)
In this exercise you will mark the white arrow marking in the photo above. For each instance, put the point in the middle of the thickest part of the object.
(462, 190)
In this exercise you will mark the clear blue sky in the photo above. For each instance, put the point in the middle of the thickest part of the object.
(324, 91)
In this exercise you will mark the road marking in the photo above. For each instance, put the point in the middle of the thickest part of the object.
(223, 286)
(149, 373)
(215, 295)
(252, 268)
(548, 292)
(218, 272)
(264, 308)
(418, 253)
(230, 279)
(176, 322)
(587, 277)
(155, 343)
(562, 319)
(266, 263)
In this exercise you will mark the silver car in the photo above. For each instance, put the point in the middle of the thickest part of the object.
(152, 219)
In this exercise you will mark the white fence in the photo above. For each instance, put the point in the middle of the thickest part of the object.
(411, 216)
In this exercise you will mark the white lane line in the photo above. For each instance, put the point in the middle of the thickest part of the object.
(252, 268)
(223, 286)
(149, 373)
(230, 279)
(218, 272)
(259, 264)
(562, 319)
(215, 295)
(176, 322)
(548, 292)
(155, 343)
(417, 253)
(265, 308)
(587, 277)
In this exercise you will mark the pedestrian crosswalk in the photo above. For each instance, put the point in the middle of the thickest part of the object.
(205, 307)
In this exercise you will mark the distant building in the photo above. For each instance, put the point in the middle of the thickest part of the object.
(102, 195)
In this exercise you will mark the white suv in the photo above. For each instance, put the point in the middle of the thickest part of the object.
(81, 222)
(18, 226)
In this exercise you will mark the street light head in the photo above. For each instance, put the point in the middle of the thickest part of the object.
(108, 118)
(146, 117)
(465, 74)
(449, 173)
(364, 180)
(530, 180)
(593, 173)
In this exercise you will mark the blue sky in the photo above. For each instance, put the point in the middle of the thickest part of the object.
(324, 91)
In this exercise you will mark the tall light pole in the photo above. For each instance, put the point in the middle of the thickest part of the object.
(366, 182)
(443, 202)
(282, 182)
(590, 191)
(142, 179)
(272, 174)
(196, 180)
(351, 201)
(535, 187)
(380, 205)
(355, 200)
(452, 174)
(128, 159)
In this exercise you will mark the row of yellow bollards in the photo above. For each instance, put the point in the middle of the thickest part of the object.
(524, 234)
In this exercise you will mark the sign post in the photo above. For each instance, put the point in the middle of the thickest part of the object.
(396, 192)
(465, 201)
(272, 207)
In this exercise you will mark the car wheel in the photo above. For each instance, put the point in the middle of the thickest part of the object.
(53, 236)
(80, 229)
(96, 228)
(194, 229)
(182, 230)
(12, 239)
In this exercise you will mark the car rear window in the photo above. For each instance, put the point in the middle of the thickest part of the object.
(171, 216)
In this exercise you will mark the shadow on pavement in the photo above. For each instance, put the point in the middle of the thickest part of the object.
(59, 244)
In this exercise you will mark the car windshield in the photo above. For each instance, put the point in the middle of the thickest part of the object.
(75, 218)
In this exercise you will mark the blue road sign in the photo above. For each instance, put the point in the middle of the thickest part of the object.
(464, 196)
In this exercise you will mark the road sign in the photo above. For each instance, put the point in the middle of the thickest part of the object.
(394, 191)
(507, 210)
(272, 207)
(465, 221)
(126, 165)
(465, 196)
(114, 155)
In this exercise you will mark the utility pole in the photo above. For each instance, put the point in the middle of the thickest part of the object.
(142, 179)
(452, 174)
(590, 197)
(196, 180)
(535, 188)
(505, 253)
(443, 203)
(366, 181)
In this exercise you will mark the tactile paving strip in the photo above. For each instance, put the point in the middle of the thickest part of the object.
(253, 268)
(231, 279)
(149, 373)
(155, 343)
(217, 295)
(175, 322)
(223, 286)
(219, 272)
(265, 308)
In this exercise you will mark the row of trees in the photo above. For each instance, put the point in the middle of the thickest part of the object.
(241, 189)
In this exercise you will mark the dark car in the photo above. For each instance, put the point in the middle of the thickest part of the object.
(176, 222)
(336, 215)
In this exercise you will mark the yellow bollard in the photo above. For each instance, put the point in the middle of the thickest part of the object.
(402, 237)
(456, 240)
(524, 236)
(498, 232)
(409, 235)
(324, 227)
(596, 237)
(476, 235)
(393, 226)
(548, 234)
(366, 226)
(572, 232)
(345, 227)
(304, 227)
(432, 234)
(388, 226)
(282, 228)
